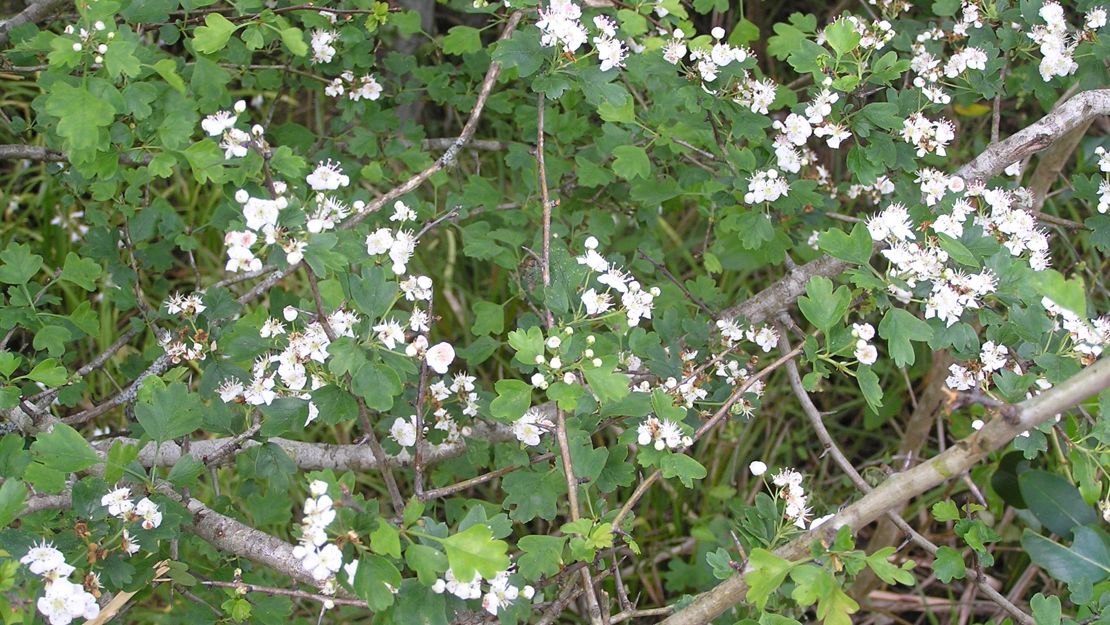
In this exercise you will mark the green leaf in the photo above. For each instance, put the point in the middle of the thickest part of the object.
(632, 23)
(373, 580)
(854, 248)
(407, 22)
(721, 562)
(205, 161)
(475, 551)
(822, 306)
(530, 494)
(631, 161)
(842, 37)
(167, 69)
(170, 413)
(766, 574)
(49, 373)
(377, 385)
(80, 271)
(462, 40)
(1086, 560)
(1046, 610)
(540, 555)
(1069, 294)
(899, 327)
(64, 449)
(1055, 501)
(428, 562)
(514, 397)
(522, 51)
(489, 318)
(685, 468)
(335, 404)
(214, 35)
(957, 251)
(949, 564)
(12, 495)
(81, 116)
(567, 395)
(120, 59)
(879, 563)
(607, 384)
(528, 344)
(52, 339)
(185, 471)
(945, 511)
(386, 540)
(754, 229)
(293, 38)
(815, 584)
(20, 265)
(870, 387)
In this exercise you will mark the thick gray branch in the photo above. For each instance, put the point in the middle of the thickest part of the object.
(309, 456)
(34, 13)
(906, 485)
(1077, 111)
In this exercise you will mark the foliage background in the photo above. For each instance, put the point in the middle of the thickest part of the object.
(113, 200)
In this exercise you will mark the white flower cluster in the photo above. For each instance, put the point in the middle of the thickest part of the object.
(636, 302)
(119, 504)
(301, 348)
(687, 391)
(865, 352)
(928, 136)
(365, 87)
(323, 45)
(320, 558)
(529, 427)
(403, 431)
(234, 142)
(1014, 226)
(707, 62)
(789, 482)
(1104, 186)
(662, 434)
(399, 244)
(1088, 338)
(327, 176)
(992, 357)
(186, 348)
(610, 51)
(766, 185)
(951, 292)
(874, 35)
(96, 40)
(1057, 46)
(766, 337)
(873, 192)
(930, 73)
(500, 594)
(561, 25)
(62, 601)
(187, 305)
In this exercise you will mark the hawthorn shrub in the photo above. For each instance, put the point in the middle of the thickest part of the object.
(521, 312)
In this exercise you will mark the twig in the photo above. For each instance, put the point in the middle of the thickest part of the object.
(244, 587)
(697, 301)
(457, 487)
(546, 199)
